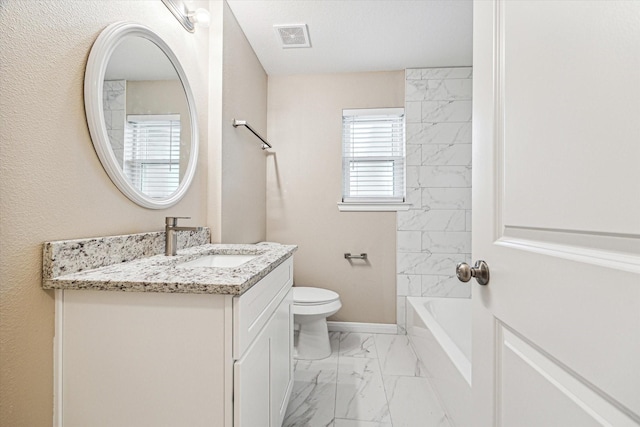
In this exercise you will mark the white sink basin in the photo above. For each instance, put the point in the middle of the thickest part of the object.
(224, 261)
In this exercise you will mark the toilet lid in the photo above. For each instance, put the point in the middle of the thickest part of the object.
(311, 296)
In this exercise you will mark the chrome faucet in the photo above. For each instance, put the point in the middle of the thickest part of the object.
(171, 238)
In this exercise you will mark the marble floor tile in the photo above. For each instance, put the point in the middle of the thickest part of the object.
(312, 401)
(370, 380)
(397, 357)
(360, 393)
(334, 340)
(413, 403)
(357, 345)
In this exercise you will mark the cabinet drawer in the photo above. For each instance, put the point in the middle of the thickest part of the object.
(252, 310)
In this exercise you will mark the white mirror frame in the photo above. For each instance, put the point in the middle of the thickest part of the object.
(101, 52)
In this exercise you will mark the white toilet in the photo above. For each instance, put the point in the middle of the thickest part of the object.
(311, 307)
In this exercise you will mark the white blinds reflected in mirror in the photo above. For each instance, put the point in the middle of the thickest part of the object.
(373, 155)
(152, 153)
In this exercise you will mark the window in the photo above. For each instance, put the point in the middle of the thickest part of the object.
(373, 157)
(152, 153)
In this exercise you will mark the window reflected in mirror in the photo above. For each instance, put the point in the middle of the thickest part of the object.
(152, 153)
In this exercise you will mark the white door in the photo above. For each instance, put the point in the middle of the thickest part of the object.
(556, 213)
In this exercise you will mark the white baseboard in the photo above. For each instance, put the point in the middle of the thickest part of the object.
(366, 328)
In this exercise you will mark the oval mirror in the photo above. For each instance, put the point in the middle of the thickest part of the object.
(141, 115)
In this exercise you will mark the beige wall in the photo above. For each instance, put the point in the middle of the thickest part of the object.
(52, 185)
(162, 97)
(243, 165)
(214, 114)
(304, 187)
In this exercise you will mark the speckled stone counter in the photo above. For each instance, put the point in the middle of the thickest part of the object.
(131, 263)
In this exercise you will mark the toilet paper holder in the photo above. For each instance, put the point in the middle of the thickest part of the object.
(355, 256)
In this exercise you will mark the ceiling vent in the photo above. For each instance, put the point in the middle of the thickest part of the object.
(293, 35)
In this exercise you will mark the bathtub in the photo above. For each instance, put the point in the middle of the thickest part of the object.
(440, 331)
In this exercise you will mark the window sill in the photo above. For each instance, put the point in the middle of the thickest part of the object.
(373, 207)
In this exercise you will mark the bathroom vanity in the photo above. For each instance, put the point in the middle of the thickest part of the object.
(204, 338)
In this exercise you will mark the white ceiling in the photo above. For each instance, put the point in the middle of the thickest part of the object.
(359, 35)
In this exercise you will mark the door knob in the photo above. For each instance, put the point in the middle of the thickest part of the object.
(480, 271)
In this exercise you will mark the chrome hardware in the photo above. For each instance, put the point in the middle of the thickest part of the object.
(480, 271)
(265, 143)
(171, 239)
(180, 11)
(361, 256)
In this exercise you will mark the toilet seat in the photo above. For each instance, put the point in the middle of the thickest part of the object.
(313, 296)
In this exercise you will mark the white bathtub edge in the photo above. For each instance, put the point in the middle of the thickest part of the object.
(455, 354)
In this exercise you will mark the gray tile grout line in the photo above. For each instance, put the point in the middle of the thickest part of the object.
(335, 396)
(384, 387)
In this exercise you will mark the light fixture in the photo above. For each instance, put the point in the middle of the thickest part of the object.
(186, 17)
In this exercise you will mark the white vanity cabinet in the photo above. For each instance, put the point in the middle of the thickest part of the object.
(263, 351)
(175, 359)
(264, 373)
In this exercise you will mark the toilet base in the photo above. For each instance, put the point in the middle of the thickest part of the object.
(313, 338)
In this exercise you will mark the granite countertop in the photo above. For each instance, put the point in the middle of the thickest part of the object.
(160, 273)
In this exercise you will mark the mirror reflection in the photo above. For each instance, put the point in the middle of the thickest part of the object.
(146, 115)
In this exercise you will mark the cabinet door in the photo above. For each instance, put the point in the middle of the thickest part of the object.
(251, 385)
(281, 356)
(263, 377)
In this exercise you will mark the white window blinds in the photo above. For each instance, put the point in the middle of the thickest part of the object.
(373, 155)
(152, 153)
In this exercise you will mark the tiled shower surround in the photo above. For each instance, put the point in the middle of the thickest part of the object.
(114, 97)
(435, 233)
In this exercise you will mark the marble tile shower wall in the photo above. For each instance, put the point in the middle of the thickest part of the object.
(114, 98)
(435, 233)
